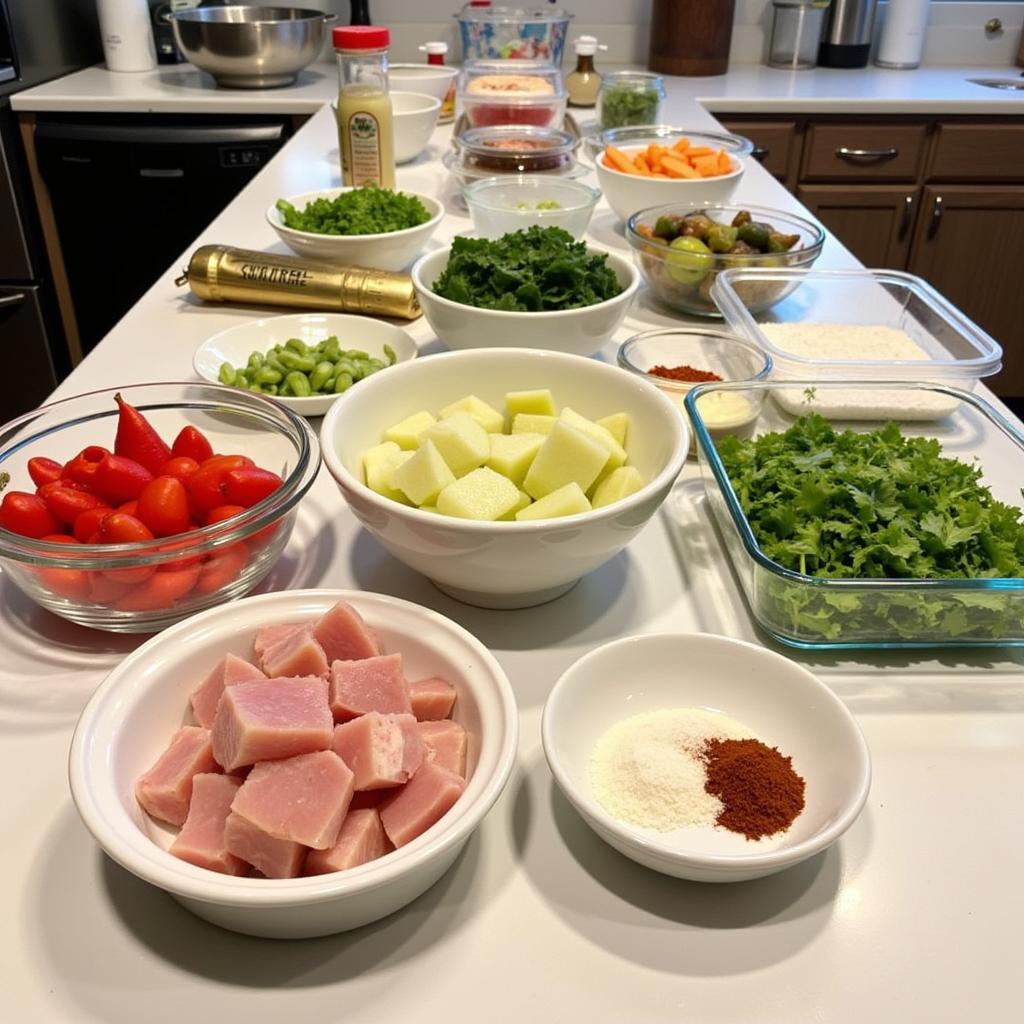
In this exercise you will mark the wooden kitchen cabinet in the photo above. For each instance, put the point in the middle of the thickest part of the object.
(967, 244)
(777, 145)
(874, 222)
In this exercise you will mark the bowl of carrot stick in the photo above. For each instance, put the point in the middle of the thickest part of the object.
(648, 165)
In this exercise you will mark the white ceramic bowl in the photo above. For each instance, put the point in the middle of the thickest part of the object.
(235, 344)
(132, 715)
(415, 119)
(578, 331)
(433, 79)
(507, 203)
(504, 565)
(392, 250)
(783, 703)
(627, 193)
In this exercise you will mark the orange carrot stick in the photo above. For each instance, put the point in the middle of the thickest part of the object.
(618, 160)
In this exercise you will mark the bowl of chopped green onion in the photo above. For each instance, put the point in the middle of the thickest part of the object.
(506, 203)
(366, 227)
(304, 360)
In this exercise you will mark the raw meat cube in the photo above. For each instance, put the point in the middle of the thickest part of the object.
(165, 790)
(275, 858)
(431, 699)
(361, 839)
(406, 434)
(567, 456)
(302, 799)
(487, 416)
(206, 696)
(271, 718)
(368, 798)
(445, 744)
(421, 802)
(369, 684)
(566, 501)
(201, 839)
(425, 475)
(267, 636)
(298, 654)
(462, 442)
(533, 403)
(618, 484)
(382, 750)
(481, 494)
(343, 634)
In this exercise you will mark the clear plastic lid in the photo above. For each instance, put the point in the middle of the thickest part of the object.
(512, 82)
(483, 11)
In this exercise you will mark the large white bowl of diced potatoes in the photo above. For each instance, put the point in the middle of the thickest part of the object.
(504, 475)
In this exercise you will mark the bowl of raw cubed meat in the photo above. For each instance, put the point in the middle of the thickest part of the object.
(296, 764)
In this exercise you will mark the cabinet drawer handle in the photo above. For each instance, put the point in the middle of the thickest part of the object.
(908, 217)
(888, 153)
(760, 152)
(933, 227)
(12, 300)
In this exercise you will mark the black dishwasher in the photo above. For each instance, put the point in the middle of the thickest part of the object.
(130, 193)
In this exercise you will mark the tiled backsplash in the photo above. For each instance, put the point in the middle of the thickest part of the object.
(956, 33)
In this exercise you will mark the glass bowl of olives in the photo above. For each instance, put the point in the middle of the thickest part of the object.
(681, 251)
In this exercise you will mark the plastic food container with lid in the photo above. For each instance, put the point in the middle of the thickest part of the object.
(495, 92)
(513, 33)
(954, 350)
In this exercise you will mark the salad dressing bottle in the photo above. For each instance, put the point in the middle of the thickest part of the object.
(582, 84)
(365, 117)
(435, 52)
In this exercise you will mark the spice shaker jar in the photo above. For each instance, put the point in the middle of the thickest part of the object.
(628, 98)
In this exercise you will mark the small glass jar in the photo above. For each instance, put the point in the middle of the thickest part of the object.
(629, 97)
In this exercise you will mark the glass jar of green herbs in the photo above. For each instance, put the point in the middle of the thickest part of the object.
(629, 97)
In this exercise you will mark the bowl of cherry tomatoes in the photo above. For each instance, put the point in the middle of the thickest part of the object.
(132, 508)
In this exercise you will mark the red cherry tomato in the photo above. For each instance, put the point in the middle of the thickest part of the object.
(44, 470)
(222, 512)
(71, 583)
(205, 485)
(137, 439)
(246, 487)
(87, 525)
(181, 466)
(131, 507)
(121, 528)
(27, 515)
(192, 443)
(163, 506)
(106, 590)
(67, 504)
(160, 591)
(119, 479)
(223, 568)
(82, 468)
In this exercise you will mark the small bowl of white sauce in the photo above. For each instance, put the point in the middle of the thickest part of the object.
(677, 359)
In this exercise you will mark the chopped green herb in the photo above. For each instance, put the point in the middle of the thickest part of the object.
(361, 211)
(538, 269)
(541, 204)
(625, 104)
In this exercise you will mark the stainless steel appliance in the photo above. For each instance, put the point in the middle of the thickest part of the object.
(39, 40)
(846, 41)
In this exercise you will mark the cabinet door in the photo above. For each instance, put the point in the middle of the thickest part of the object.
(873, 221)
(967, 245)
(776, 145)
(23, 345)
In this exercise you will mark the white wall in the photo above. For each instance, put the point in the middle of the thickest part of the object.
(956, 32)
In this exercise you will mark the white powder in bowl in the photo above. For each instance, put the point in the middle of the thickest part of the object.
(854, 343)
(646, 770)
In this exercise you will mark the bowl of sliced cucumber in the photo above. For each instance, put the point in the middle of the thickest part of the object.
(504, 475)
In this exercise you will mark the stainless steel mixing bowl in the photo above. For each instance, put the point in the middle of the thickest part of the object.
(250, 47)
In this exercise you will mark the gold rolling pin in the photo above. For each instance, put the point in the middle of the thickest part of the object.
(220, 273)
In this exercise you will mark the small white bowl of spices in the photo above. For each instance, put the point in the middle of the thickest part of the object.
(703, 757)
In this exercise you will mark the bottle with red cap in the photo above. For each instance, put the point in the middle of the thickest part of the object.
(365, 117)
(435, 52)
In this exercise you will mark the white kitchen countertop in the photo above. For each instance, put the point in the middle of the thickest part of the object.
(913, 916)
(178, 89)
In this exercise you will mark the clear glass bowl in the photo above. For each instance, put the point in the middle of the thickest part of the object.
(691, 292)
(729, 357)
(954, 350)
(629, 98)
(87, 583)
(517, 92)
(812, 612)
(502, 204)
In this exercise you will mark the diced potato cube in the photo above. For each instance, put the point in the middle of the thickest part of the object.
(429, 508)
(619, 484)
(617, 425)
(462, 442)
(379, 464)
(617, 454)
(566, 501)
(407, 433)
(528, 423)
(482, 494)
(567, 455)
(423, 475)
(524, 500)
(538, 403)
(487, 416)
(511, 454)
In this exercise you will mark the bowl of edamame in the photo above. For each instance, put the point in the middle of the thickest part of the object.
(304, 360)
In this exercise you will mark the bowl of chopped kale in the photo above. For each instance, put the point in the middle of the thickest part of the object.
(368, 227)
(536, 288)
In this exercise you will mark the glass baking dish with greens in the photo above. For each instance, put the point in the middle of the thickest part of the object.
(871, 534)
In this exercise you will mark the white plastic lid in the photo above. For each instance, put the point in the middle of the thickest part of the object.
(587, 46)
(434, 48)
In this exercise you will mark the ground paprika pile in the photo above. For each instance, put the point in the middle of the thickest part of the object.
(685, 372)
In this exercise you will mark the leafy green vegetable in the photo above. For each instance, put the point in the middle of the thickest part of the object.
(626, 104)
(538, 269)
(870, 506)
(361, 211)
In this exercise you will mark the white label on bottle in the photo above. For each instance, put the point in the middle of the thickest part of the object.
(364, 140)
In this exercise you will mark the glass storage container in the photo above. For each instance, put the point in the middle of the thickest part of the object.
(496, 92)
(628, 98)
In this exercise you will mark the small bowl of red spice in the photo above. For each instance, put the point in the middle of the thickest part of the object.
(704, 757)
(677, 359)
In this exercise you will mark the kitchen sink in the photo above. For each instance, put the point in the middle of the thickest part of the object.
(999, 83)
